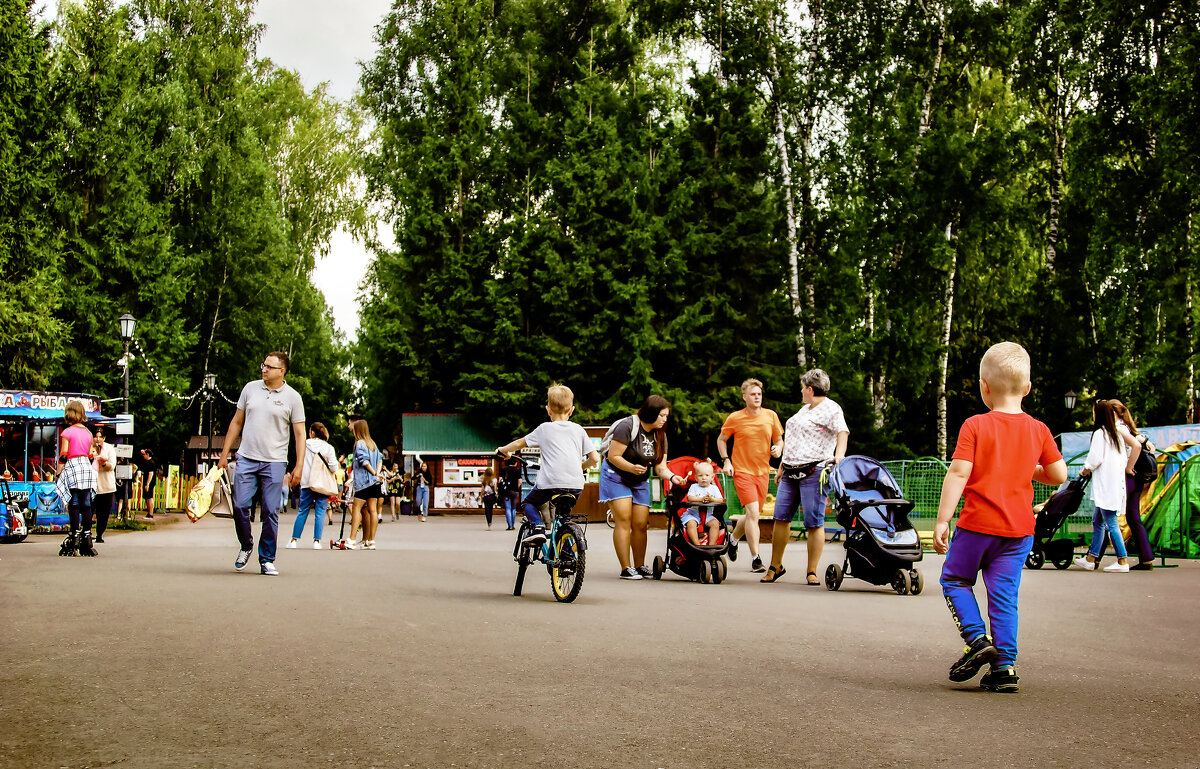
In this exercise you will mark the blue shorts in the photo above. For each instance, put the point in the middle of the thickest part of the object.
(805, 493)
(613, 487)
(692, 514)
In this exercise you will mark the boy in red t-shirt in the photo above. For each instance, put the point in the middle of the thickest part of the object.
(997, 455)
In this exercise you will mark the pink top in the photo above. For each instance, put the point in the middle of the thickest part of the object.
(79, 441)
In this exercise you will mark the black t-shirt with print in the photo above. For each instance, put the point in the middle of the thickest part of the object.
(639, 447)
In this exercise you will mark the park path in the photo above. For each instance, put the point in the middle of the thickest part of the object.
(157, 654)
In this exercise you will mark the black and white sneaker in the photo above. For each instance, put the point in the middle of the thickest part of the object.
(976, 654)
(1003, 680)
(535, 537)
(756, 565)
(645, 571)
(242, 559)
(631, 573)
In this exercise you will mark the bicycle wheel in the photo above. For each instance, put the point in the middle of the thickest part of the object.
(523, 557)
(566, 575)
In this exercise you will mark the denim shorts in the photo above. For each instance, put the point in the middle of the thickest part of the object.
(692, 514)
(804, 494)
(613, 487)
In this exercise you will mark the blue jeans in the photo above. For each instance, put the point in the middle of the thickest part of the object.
(538, 497)
(1103, 520)
(510, 508)
(251, 476)
(1000, 560)
(308, 501)
(422, 500)
(804, 494)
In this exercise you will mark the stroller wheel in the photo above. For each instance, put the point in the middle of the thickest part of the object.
(706, 575)
(659, 567)
(833, 576)
(1035, 559)
(721, 569)
(901, 582)
(1062, 563)
(916, 582)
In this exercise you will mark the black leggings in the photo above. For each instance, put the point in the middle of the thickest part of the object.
(103, 504)
(488, 504)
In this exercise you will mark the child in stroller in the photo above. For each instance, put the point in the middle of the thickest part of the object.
(703, 492)
(695, 557)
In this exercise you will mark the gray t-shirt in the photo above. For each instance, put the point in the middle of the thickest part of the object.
(564, 445)
(270, 415)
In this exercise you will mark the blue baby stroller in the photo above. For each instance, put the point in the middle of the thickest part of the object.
(881, 544)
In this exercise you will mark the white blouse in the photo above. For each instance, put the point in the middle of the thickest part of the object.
(1106, 460)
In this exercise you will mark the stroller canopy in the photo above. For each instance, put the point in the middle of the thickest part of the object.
(857, 473)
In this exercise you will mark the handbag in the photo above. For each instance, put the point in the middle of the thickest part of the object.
(1145, 467)
(321, 479)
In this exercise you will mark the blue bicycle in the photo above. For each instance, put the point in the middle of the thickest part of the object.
(564, 552)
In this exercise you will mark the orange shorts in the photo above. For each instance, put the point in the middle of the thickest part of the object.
(751, 488)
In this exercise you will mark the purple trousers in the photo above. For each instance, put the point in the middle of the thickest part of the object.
(1000, 561)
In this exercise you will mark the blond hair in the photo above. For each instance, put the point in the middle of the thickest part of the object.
(696, 468)
(1005, 367)
(560, 399)
(74, 413)
(751, 383)
(363, 433)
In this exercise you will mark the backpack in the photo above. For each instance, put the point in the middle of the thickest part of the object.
(1145, 467)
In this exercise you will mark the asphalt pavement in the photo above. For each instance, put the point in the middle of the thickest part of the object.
(158, 654)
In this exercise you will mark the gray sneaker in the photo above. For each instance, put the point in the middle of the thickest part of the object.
(270, 570)
(645, 571)
(242, 559)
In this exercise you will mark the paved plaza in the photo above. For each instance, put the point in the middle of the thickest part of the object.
(157, 654)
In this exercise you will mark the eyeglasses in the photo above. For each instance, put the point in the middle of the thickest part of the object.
(264, 367)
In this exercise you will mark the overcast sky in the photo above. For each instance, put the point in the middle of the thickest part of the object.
(323, 40)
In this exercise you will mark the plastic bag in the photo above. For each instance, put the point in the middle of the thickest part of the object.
(200, 499)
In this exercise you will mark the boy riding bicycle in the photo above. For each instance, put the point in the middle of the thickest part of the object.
(562, 443)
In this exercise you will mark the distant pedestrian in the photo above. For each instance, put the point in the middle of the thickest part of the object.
(106, 481)
(1108, 465)
(1127, 427)
(368, 479)
(316, 449)
(148, 469)
(512, 468)
(489, 492)
(422, 482)
(267, 409)
(77, 480)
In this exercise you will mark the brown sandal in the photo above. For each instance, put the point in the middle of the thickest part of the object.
(773, 574)
(811, 576)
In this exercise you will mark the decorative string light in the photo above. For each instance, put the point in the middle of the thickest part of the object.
(158, 379)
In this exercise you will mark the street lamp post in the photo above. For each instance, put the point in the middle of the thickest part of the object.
(210, 384)
(127, 324)
(1069, 400)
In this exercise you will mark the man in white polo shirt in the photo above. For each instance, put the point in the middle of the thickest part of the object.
(266, 409)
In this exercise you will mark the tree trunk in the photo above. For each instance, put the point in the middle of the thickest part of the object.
(944, 355)
(785, 170)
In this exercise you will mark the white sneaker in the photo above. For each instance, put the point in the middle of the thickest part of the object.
(369, 545)
(1122, 567)
(269, 569)
(317, 544)
(291, 545)
(1085, 564)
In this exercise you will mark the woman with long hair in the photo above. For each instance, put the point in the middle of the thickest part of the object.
(1106, 463)
(631, 447)
(1133, 487)
(317, 449)
(368, 475)
(489, 493)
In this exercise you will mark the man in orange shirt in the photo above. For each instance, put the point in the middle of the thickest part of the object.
(757, 436)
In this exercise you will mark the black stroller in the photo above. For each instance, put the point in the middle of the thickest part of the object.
(1050, 519)
(704, 562)
(881, 544)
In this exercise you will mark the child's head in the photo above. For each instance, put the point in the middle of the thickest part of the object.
(74, 413)
(560, 401)
(704, 473)
(1005, 368)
